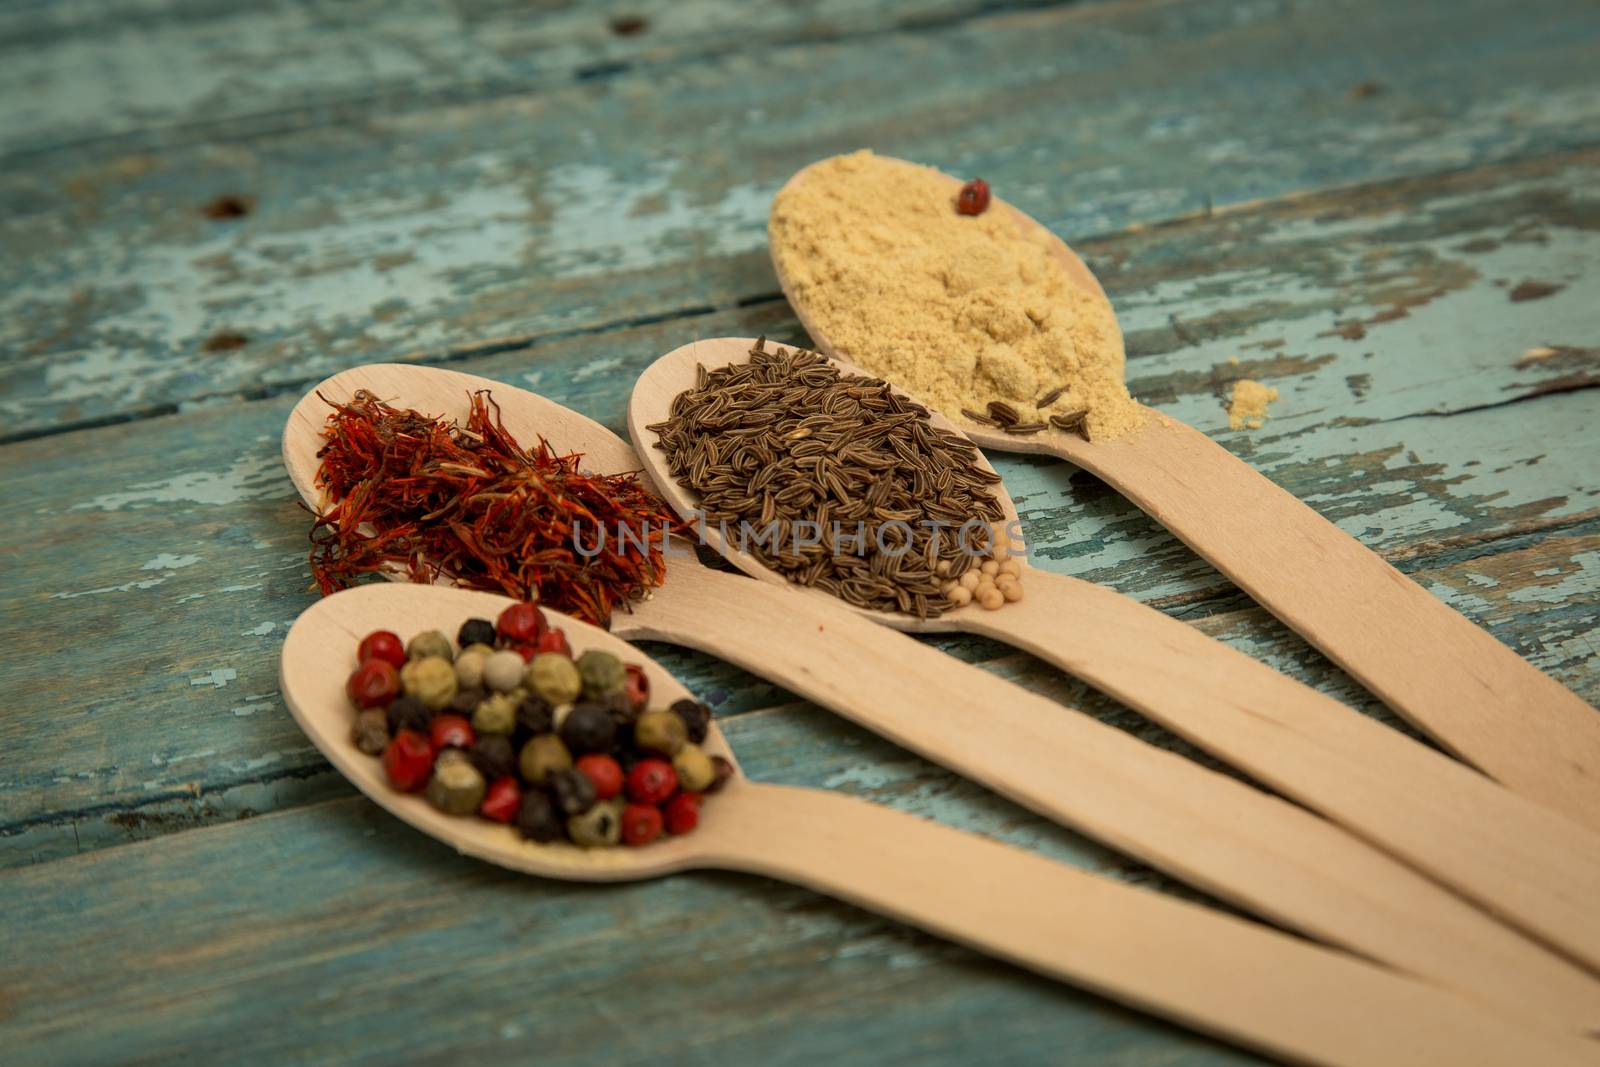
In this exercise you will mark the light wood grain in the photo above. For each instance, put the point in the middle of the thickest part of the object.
(1204, 827)
(1429, 663)
(1213, 972)
(1448, 677)
(1513, 856)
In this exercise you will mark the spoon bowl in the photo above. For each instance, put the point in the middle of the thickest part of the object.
(319, 653)
(1448, 677)
(1050, 440)
(651, 403)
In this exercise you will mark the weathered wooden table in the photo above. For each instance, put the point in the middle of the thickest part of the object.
(1387, 211)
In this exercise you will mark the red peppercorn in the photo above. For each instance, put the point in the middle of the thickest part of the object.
(384, 645)
(502, 801)
(527, 652)
(553, 640)
(651, 781)
(408, 761)
(641, 824)
(973, 198)
(374, 684)
(451, 731)
(636, 685)
(520, 624)
(683, 813)
(604, 772)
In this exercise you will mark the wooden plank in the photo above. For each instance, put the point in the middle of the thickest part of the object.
(445, 231)
(338, 916)
(170, 69)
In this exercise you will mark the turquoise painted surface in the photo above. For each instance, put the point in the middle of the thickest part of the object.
(1385, 211)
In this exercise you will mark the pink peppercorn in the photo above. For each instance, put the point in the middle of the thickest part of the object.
(651, 781)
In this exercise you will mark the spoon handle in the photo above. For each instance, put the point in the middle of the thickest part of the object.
(1517, 858)
(1207, 970)
(1448, 677)
(1205, 828)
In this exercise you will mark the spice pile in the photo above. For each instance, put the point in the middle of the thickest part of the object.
(933, 289)
(514, 728)
(437, 499)
(838, 483)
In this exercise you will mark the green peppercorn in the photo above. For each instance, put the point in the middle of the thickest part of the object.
(371, 731)
(456, 787)
(602, 673)
(588, 728)
(537, 819)
(695, 772)
(469, 666)
(431, 680)
(431, 643)
(496, 715)
(502, 671)
(599, 827)
(660, 731)
(572, 790)
(554, 678)
(696, 718)
(542, 755)
(409, 713)
(493, 755)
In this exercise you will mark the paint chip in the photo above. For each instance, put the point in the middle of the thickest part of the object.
(1532, 290)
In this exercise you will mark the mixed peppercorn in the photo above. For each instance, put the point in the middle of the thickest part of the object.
(514, 728)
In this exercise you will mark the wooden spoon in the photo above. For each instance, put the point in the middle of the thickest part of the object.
(1512, 855)
(1254, 850)
(1207, 970)
(1448, 677)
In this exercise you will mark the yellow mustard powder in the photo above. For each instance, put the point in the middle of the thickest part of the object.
(1248, 409)
(956, 309)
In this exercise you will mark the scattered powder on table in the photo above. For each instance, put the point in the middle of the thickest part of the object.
(959, 310)
(1248, 408)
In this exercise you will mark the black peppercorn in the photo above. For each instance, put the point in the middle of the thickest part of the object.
(534, 716)
(476, 632)
(466, 701)
(721, 771)
(409, 713)
(623, 713)
(493, 755)
(572, 790)
(587, 728)
(696, 718)
(537, 818)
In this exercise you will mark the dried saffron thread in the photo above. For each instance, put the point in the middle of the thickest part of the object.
(434, 499)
